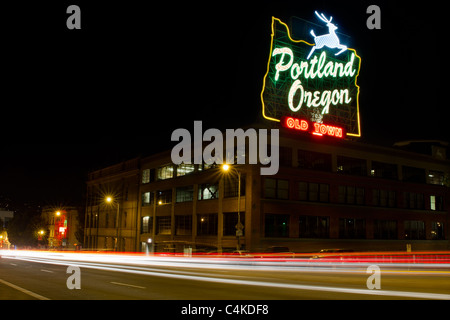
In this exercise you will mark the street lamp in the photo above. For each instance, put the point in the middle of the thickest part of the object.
(239, 226)
(110, 200)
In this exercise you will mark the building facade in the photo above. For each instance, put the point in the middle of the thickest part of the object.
(328, 193)
(61, 227)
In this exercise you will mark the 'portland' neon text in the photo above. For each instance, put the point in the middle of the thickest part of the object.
(314, 68)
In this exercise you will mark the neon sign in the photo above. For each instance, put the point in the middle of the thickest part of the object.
(330, 40)
(313, 82)
(315, 128)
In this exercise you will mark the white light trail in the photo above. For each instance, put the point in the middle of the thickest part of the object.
(147, 265)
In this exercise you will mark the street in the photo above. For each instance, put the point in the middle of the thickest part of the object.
(44, 276)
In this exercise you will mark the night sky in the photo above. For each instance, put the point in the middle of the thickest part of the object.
(77, 100)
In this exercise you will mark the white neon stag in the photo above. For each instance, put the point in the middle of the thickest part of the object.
(329, 40)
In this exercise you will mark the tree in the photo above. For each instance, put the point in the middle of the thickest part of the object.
(23, 229)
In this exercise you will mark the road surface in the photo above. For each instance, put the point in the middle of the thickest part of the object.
(39, 276)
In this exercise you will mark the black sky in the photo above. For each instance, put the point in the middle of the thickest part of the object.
(77, 100)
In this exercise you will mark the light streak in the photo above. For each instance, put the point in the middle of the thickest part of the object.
(144, 265)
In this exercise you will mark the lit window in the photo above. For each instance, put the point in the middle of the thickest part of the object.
(184, 169)
(145, 226)
(208, 191)
(146, 176)
(147, 198)
(164, 197)
(165, 172)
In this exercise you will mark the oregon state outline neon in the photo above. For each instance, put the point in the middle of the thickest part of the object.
(319, 64)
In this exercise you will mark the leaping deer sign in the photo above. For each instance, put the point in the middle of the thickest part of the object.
(329, 40)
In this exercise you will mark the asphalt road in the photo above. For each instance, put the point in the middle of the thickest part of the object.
(24, 278)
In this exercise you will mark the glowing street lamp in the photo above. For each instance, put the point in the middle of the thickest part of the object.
(110, 200)
(239, 226)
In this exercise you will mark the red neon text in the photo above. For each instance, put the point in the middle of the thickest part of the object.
(318, 129)
(298, 124)
(323, 129)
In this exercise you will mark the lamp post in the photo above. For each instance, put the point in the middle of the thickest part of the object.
(239, 226)
(40, 237)
(110, 200)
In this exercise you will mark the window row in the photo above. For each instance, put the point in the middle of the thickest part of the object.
(320, 192)
(206, 191)
(207, 224)
(315, 161)
(354, 166)
(170, 171)
(278, 225)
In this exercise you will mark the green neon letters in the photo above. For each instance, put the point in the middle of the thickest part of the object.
(314, 68)
(319, 68)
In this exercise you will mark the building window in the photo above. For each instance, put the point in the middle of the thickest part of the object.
(285, 156)
(204, 166)
(185, 194)
(351, 195)
(314, 160)
(163, 225)
(437, 230)
(276, 188)
(414, 200)
(314, 227)
(164, 197)
(230, 221)
(208, 191)
(350, 228)
(384, 198)
(414, 230)
(385, 229)
(436, 177)
(436, 203)
(146, 225)
(411, 174)
(145, 176)
(352, 166)
(183, 225)
(384, 170)
(270, 188)
(184, 169)
(147, 199)
(276, 225)
(165, 172)
(433, 203)
(207, 224)
(231, 186)
(310, 191)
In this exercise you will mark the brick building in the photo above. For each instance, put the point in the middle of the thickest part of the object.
(328, 193)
